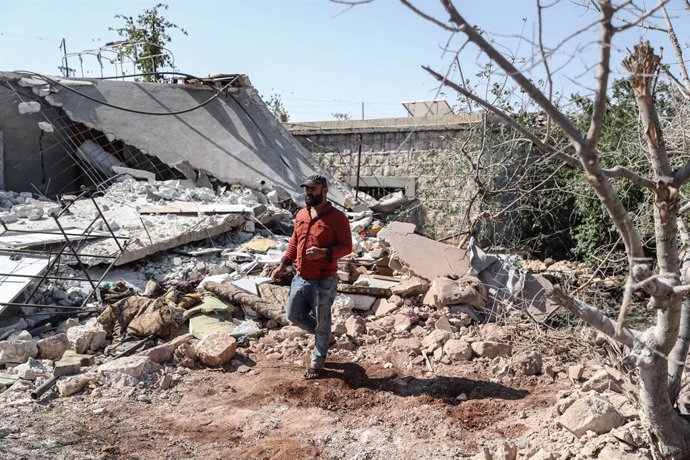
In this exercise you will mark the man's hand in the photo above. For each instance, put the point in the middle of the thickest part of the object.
(279, 271)
(315, 253)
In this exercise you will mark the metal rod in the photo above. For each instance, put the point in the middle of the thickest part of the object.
(46, 232)
(61, 278)
(34, 251)
(35, 305)
(74, 252)
(47, 385)
(100, 280)
(134, 347)
(106, 222)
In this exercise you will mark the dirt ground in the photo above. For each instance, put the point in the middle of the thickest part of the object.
(264, 409)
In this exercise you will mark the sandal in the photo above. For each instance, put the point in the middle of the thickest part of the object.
(313, 373)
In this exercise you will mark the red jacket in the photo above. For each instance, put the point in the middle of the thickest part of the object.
(330, 230)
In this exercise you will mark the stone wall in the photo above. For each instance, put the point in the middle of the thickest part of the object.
(416, 152)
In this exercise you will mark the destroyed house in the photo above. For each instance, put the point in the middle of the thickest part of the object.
(59, 134)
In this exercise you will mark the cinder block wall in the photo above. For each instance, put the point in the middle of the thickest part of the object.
(398, 148)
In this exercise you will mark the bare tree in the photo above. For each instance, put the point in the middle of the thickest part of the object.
(658, 353)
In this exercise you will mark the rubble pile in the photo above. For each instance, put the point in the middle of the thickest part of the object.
(193, 291)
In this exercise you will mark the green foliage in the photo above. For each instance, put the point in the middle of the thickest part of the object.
(549, 209)
(148, 35)
(277, 108)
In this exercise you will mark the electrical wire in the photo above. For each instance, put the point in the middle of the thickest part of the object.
(141, 112)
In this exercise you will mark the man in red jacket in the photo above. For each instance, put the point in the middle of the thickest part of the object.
(321, 236)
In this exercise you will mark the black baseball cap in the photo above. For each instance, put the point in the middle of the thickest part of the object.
(316, 179)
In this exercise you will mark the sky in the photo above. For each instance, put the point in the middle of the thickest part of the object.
(323, 57)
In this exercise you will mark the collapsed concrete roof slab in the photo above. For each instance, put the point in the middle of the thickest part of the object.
(233, 137)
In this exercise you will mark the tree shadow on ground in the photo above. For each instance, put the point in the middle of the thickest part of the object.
(444, 388)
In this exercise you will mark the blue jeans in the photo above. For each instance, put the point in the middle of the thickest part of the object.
(309, 308)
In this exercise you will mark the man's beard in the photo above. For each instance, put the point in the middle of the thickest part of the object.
(313, 200)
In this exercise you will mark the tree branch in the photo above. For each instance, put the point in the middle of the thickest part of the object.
(677, 49)
(532, 91)
(599, 105)
(642, 17)
(594, 317)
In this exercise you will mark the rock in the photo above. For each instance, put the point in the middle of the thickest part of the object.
(31, 369)
(542, 454)
(466, 290)
(396, 300)
(164, 352)
(67, 324)
(457, 350)
(185, 355)
(402, 323)
(491, 350)
(53, 347)
(624, 406)
(384, 307)
(443, 324)
(591, 413)
(362, 302)
(126, 371)
(343, 305)
(338, 327)
(435, 339)
(69, 386)
(503, 451)
(71, 363)
(529, 363)
(88, 336)
(410, 345)
(29, 107)
(602, 381)
(165, 381)
(8, 325)
(575, 372)
(21, 335)
(411, 287)
(355, 326)
(216, 349)
(17, 351)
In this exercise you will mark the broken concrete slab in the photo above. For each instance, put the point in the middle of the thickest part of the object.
(135, 173)
(19, 273)
(374, 291)
(188, 207)
(71, 363)
(422, 256)
(205, 227)
(216, 349)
